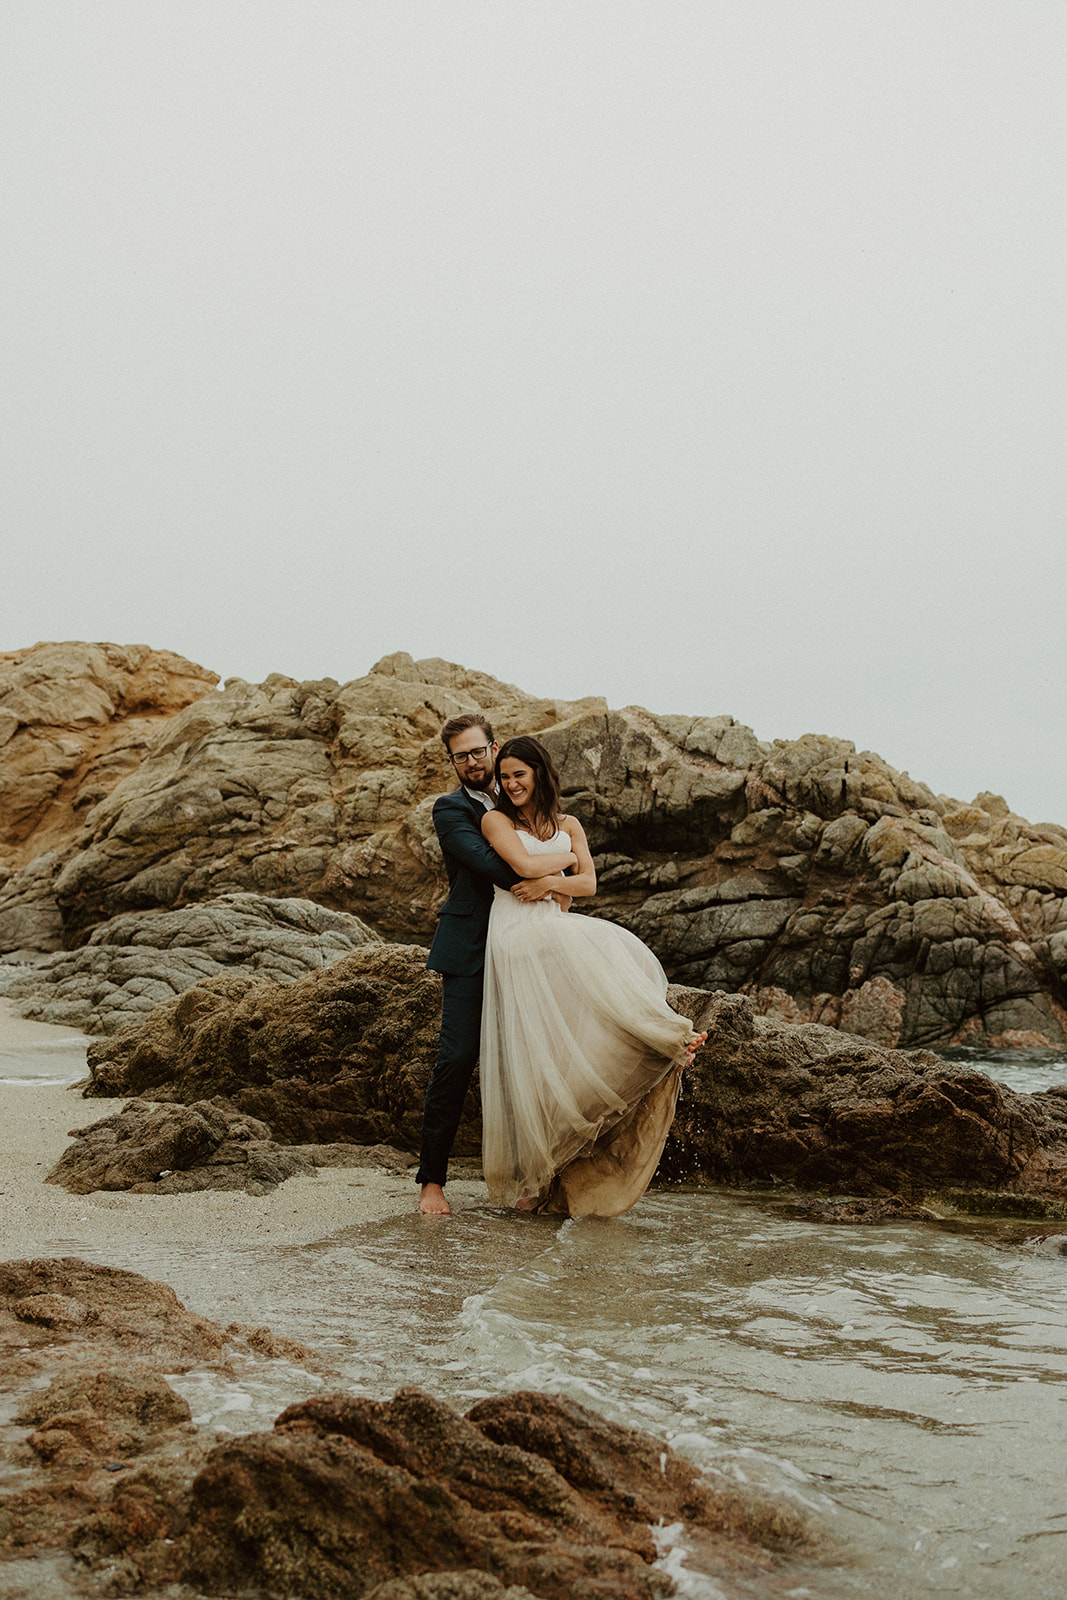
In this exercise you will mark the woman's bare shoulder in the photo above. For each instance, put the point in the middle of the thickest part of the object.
(496, 820)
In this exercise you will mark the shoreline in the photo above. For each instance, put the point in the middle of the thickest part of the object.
(40, 1106)
(42, 1219)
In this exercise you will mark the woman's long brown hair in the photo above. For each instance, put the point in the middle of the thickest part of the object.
(546, 802)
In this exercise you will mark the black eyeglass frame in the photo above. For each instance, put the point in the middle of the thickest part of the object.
(479, 753)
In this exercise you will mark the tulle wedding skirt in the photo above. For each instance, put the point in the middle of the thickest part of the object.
(578, 1051)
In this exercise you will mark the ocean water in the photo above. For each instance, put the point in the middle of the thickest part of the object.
(43, 1060)
(1027, 1071)
(903, 1384)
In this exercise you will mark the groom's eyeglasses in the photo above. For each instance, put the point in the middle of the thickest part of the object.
(479, 753)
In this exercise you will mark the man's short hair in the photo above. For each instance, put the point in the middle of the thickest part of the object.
(469, 719)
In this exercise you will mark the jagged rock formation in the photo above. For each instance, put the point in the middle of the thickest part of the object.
(344, 1054)
(74, 720)
(404, 1499)
(826, 884)
(134, 962)
(814, 877)
(283, 788)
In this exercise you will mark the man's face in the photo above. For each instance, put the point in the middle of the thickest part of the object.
(473, 758)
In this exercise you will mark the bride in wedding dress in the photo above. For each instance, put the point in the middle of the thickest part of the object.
(581, 1056)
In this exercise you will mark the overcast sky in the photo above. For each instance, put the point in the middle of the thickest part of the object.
(708, 356)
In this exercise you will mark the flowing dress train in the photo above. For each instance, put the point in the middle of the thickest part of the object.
(578, 1051)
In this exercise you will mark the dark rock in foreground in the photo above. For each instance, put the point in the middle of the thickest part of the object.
(87, 1413)
(526, 1495)
(344, 1054)
(135, 961)
(537, 1491)
(85, 1404)
(468, 1585)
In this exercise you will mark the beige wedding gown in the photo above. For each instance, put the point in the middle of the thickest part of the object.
(578, 1051)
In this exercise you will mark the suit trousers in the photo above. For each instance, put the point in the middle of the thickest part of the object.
(461, 1025)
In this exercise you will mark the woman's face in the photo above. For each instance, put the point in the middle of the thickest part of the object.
(517, 781)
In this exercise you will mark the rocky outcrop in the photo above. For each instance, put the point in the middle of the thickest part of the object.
(80, 1306)
(175, 1149)
(75, 719)
(85, 1403)
(133, 962)
(814, 877)
(344, 1054)
(823, 882)
(536, 1491)
(83, 1418)
(468, 1585)
(808, 1106)
(285, 788)
(89, 1421)
(404, 1499)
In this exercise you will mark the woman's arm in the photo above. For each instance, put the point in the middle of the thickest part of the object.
(498, 832)
(582, 881)
(461, 838)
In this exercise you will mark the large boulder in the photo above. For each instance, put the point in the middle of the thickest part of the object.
(345, 1494)
(341, 1056)
(134, 961)
(806, 1105)
(344, 1055)
(75, 719)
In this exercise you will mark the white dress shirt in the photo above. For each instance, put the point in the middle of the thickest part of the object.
(487, 800)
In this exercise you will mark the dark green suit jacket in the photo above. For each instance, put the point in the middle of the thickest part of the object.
(473, 869)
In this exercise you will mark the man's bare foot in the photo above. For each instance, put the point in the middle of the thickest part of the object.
(432, 1202)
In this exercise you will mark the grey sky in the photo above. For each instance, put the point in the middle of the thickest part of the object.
(709, 356)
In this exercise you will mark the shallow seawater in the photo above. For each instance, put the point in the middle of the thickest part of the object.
(1026, 1071)
(45, 1061)
(907, 1384)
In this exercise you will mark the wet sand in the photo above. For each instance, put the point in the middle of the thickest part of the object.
(41, 1219)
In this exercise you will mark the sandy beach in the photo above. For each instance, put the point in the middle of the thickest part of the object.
(42, 1219)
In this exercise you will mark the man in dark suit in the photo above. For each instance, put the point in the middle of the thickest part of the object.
(458, 950)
